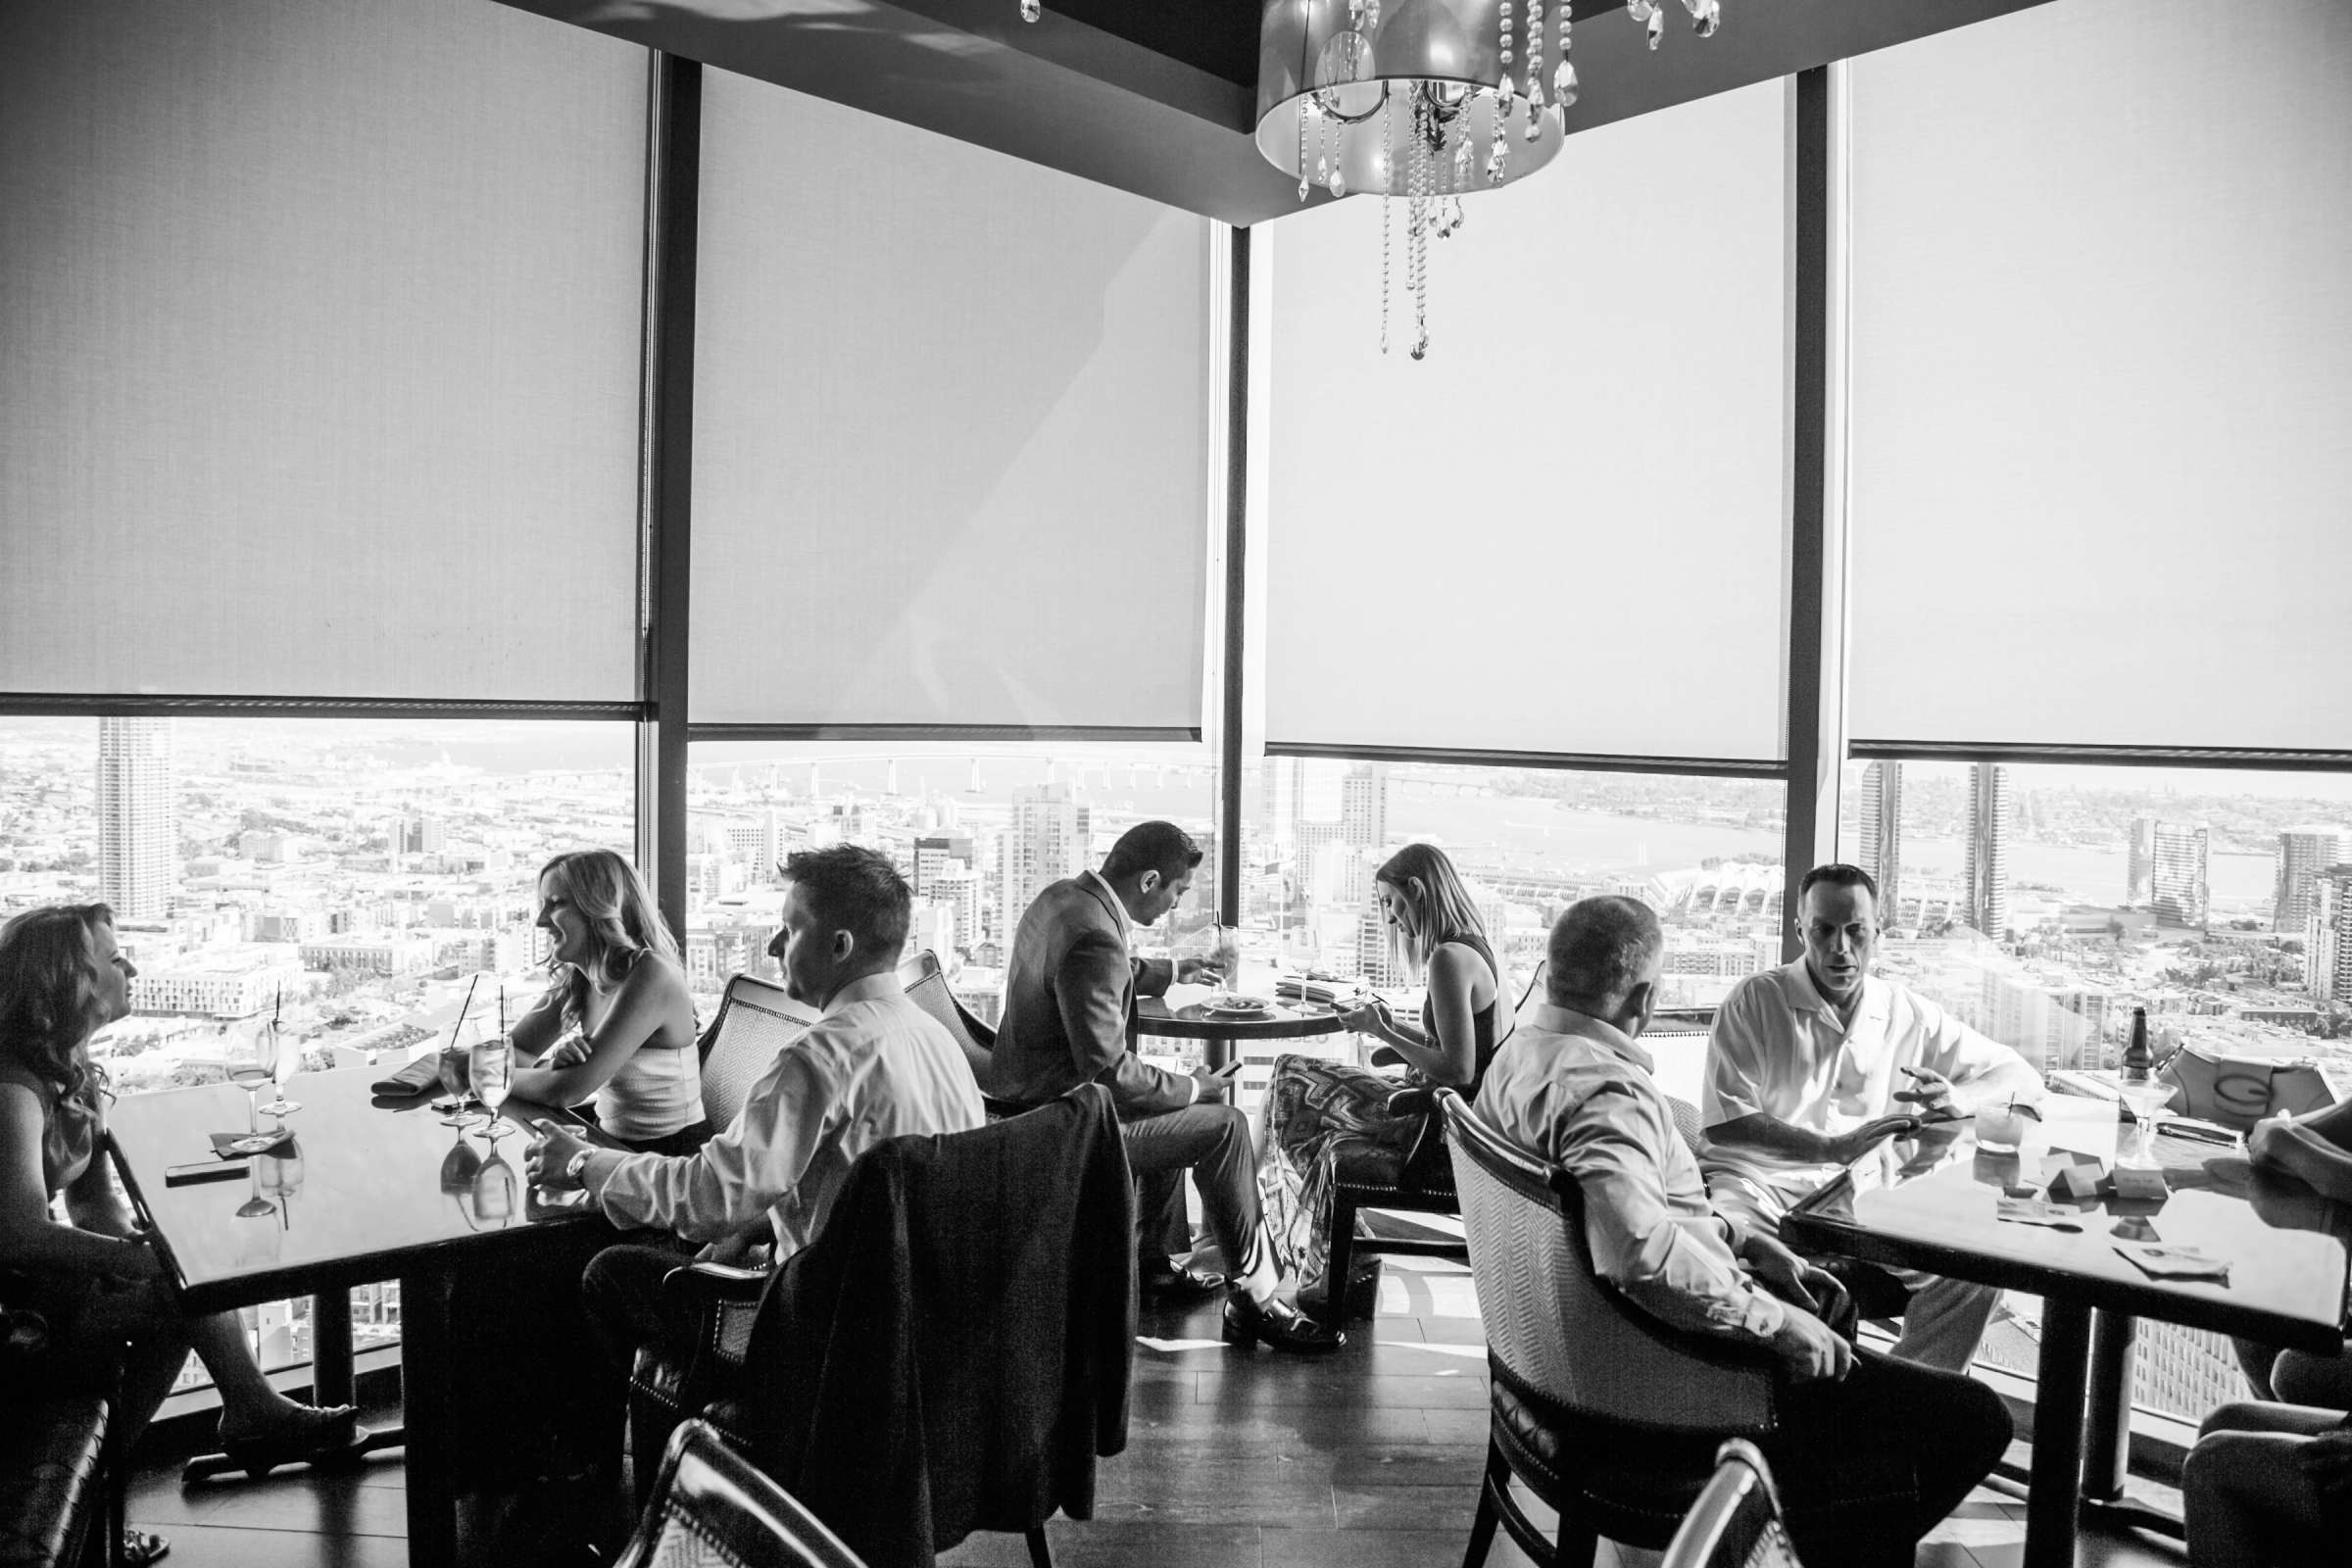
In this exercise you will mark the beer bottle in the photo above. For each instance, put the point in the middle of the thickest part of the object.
(2138, 1062)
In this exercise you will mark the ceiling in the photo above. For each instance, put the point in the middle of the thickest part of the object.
(1159, 96)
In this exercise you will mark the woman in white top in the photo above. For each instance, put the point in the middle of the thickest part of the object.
(618, 1023)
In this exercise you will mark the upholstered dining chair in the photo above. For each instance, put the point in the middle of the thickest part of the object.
(1603, 1413)
(757, 1018)
(926, 986)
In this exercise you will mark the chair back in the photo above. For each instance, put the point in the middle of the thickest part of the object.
(756, 1020)
(710, 1509)
(1735, 1523)
(927, 988)
(1559, 1331)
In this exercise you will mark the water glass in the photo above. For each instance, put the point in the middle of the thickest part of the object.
(2000, 1128)
(453, 1064)
(289, 1062)
(1227, 952)
(493, 1068)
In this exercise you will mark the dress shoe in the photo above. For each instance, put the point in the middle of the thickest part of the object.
(1280, 1325)
(1171, 1281)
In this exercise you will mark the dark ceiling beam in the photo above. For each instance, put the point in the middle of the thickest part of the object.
(1148, 97)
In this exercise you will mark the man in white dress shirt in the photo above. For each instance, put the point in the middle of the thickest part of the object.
(1869, 1453)
(1820, 1064)
(873, 1066)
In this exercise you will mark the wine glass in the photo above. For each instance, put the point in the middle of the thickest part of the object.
(289, 1062)
(252, 1062)
(2146, 1097)
(494, 1191)
(493, 1065)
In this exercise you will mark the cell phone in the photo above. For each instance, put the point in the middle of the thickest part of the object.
(204, 1170)
(1228, 1070)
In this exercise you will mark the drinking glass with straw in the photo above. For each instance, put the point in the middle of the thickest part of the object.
(289, 1062)
(453, 1066)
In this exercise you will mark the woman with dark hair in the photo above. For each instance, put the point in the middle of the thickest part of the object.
(90, 1283)
(617, 1026)
(1316, 1113)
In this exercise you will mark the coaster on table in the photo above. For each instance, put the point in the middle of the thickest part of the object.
(223, 1143)
(2027, 1211)
(2174, 1261)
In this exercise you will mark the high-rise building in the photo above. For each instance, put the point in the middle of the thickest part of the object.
(422, 835)
(1988, 849)
(1882, 835)
(1365, 805)
(2177, 874)
(1319, 804)
(2303, 853)
(2327, 935)
(933, 856)
(959, 890)
(1047, 840)
(138, 817)
(2140, 860)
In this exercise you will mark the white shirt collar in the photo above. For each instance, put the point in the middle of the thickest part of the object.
(869, 988)
(1118, 908)
(1556, 1019)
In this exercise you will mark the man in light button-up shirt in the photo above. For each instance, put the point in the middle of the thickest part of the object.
(1573, 1087)
(1820, 1064)
(873, 1066)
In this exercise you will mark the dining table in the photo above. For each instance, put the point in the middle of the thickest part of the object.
(365, 1189)
(2286, 1249)
(1221, 1028)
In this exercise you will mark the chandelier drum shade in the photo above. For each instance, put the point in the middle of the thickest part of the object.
(1426, 99)
(1380, 95)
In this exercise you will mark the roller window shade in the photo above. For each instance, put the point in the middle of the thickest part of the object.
(1563, 531)
(2102, 430)
(951, 432)
(319, 339)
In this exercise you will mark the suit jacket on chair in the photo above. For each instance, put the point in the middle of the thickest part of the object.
(1069, 1007)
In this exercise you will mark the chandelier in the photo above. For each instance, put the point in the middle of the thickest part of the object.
(1424, 100)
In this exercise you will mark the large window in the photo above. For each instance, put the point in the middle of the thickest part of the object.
(355, 878)
(2043, 904)
(977, 828)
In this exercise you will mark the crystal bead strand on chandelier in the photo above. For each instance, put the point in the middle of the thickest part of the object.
(1535, 67)
(1563, 80)
(1500, 122)
(1387, 199)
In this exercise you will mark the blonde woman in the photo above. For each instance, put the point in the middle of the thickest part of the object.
(617, 1026)
(78, 1288)
(1317, 1111)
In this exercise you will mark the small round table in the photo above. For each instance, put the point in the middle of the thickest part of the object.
(1220, 1031)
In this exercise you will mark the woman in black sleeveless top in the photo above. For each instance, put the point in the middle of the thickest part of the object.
(1317, 1113)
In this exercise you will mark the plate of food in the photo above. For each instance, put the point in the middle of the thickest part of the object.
(1232, 1005)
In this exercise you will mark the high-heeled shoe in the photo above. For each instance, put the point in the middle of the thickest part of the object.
(312, 1436)
(1280, 1325)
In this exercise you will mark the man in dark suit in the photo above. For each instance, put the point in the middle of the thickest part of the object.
(1070, 1018)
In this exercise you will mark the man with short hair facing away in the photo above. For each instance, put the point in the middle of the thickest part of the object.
(873, 1066)
(1820, 1064)
(1573, 1086)
(1071, 992)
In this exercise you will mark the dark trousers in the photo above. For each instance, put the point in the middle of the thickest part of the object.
(1830, 1455)
(1212, 1142)
(620, 1292)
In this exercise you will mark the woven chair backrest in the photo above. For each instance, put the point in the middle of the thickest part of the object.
(710, 1508)
(927, 988)
(757, 1020)
(1555, 1327)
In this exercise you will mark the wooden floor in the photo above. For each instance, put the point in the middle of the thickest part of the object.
(1366, 1459)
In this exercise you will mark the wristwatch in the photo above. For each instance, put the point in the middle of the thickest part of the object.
(577, 1164)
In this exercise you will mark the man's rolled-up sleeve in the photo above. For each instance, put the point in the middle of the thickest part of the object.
(1683, 1275)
